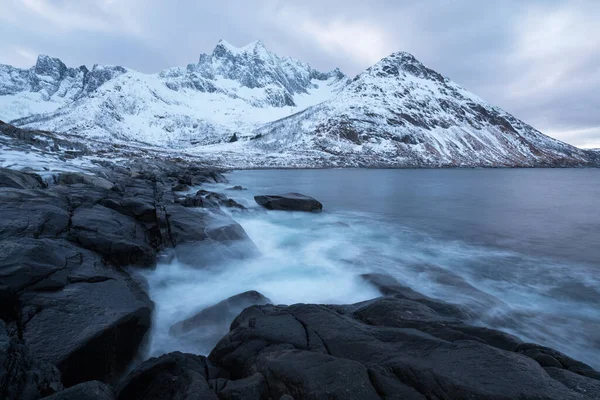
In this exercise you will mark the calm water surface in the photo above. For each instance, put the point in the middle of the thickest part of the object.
(520, 247)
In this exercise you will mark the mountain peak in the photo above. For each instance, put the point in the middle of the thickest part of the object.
(50, 66)
(402, 62)
(224, 48)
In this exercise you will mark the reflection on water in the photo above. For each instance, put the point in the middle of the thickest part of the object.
(515, 246)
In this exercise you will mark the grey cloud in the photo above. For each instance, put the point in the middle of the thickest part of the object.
(479, 45)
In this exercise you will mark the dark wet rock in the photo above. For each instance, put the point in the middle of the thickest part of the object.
(76, 313)
(22, 377)
(170, 376)
(219, 199)
(214, 321)
(64, 295)
(230, 203)
(236, 187)
(117, 237)
(252, 388)
(92, 390)
(206, 199)
(389, 286)
(403, 345)
(588, 388)
(289, 202)
(187, 225)
(197, 201)
(71, 178)
(140, 209)
(181, 187)
(20, 180)
(32, 213)
(548, 357)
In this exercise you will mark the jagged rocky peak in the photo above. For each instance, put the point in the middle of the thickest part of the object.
(50, 66)
(402, 63)
(224, 49)
(254, 66)
(101, 74)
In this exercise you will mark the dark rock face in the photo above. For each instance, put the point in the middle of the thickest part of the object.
(92, 390)
(206, 199)
(71, 178)
(391, 347)
(289, 202)
(20, 180)
(74, 311)
(213, 322)
(21, 376)
(181, 187)
(67, 303)
(171, 376)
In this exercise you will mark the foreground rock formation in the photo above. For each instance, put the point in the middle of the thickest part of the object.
(400, 346)
(70, 310)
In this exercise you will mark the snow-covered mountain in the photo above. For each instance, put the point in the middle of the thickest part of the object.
(231, 90)
(398, 113)
(48, 85)
(401, 113)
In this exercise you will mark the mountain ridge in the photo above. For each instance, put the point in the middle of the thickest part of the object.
(396, 113)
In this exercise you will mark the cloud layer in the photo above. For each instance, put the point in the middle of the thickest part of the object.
(538, 59)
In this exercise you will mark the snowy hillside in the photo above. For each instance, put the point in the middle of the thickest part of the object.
(401, 113)
(231, 90)
(398, 113)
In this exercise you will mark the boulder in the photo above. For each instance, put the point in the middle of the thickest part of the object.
(180, 187)
(213, 322)
(197, 201)
(32, 213)
(236, 187)
(92, 390)
(120, 239)
(289, 202)
(20, 180)
(85, 318)
(212, 199)
(170, 376)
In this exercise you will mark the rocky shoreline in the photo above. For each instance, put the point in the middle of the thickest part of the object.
(74, 312)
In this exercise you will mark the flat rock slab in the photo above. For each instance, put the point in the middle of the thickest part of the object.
(289, 202)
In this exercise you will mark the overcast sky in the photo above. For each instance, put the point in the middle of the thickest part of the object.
(538, 59)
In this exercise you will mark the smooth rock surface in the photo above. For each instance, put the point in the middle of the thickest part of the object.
(20, 180)
(213, 322)
(289, 202)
